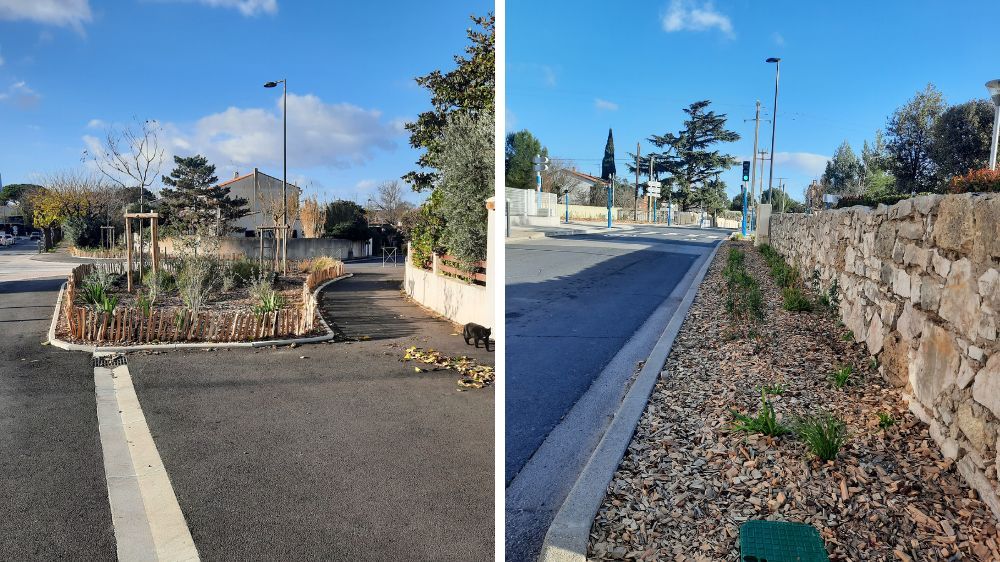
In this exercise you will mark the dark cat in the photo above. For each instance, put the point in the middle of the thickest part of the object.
(475, 332)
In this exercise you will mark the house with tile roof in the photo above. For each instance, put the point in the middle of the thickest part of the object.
(263, 193)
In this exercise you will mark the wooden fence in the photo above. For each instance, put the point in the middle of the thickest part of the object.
(452, 267)
(133, 325)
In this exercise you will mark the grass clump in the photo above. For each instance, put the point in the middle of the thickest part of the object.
(744, 301)
(266, 299)
(764, 422)
(885, 420)
(848, 335)
(795, 301)
(824, 435)
(842, 376)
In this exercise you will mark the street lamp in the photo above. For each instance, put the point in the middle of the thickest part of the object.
(284, 159)
(994, 87)
(774, 123)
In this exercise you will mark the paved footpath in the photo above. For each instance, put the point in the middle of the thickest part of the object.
(345, 454)
(53, 495)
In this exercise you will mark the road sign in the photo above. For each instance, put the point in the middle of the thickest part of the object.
(653, 192)
(653, 184)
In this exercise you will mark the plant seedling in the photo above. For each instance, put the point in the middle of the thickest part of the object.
(873, 363)
(842, 376)
(765, 422)
(885, 420)
(848, 335)
(776, 389)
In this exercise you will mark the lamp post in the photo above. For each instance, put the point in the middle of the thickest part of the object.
(994, 87)
(284, 159)
(774, 118)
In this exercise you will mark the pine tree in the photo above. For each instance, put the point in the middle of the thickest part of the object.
(195, 203)
(688, 163)
(608, 164)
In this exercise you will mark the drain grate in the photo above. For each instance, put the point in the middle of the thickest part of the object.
(110, 361)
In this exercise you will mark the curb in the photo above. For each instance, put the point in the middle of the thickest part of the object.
(62, 344)
(569, 533)
(567, 232)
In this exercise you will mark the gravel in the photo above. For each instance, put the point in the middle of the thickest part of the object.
(688, 480)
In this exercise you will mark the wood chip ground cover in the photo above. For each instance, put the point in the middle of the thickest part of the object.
(688, 480)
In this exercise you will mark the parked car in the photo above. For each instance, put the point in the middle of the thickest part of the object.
(6, 239)
(35, 235)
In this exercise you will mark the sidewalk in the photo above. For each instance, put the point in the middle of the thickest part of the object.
(333, 451)
(564, 229)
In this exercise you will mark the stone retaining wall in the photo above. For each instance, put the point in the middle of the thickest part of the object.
(919, 285)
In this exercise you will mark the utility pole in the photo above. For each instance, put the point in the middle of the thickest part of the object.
(653, 199)
(781, 188)
(753, 168)
(761, 157)
(635, 208)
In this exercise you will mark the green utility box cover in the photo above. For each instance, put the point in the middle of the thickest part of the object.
(780, 541)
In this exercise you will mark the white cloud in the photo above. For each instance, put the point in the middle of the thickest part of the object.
(365, 185)
(246, 7)
(778, 38)
(549, 76)
(509, 120)
(21, 95)
(319, 135)
(62, 13)
(807, 162)
(96, 124)
(688, 15)
(605, 105)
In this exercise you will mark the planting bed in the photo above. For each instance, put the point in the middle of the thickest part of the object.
(688, 479)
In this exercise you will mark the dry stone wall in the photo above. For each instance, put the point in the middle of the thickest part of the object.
(919, 285)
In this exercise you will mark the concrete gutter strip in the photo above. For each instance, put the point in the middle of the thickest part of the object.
(569, 534)
(62, 344)
(147, 519)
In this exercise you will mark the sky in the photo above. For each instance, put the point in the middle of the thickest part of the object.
(70, 69)
(574, 71)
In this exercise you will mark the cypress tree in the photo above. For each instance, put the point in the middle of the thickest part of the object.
(608, 164)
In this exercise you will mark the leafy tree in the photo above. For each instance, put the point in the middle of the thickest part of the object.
(910, 133)
(346, 219)
(608, 163)
(426, 231)
(467, 181)
(20, 193)
(711, 196)
(689, 163)
(467, 89)
(844, 171)
(962, 135)
(782, 202)
(519, 149)
(195, 203)
(875, 162)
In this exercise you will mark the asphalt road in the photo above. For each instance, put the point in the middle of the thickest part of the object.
(345, 454)
(53, 492)
(572, 304)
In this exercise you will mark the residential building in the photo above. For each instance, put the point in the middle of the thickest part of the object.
(263, 195)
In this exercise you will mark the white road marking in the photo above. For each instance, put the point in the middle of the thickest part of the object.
(147, 519)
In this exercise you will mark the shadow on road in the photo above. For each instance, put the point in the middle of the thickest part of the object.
(368, 306)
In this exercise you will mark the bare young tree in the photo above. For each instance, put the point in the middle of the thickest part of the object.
(271, 208)
(313, 217)
(389, 203)
(131, 156)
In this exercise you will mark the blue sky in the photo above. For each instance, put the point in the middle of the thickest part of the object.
(575, 70)
(68, 68)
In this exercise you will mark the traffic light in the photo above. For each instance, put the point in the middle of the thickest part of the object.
(746, 170)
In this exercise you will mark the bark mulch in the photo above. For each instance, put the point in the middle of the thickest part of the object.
(688, 480)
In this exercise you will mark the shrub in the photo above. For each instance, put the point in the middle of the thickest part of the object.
(848, 335)
(317, 264)
(871, 200)
(145, 303)
(157, 284)
(885, 420)
(196, 281)
(823, 435)
(795, 301)
(765, 422)
(976, 181)
(100, 277)
(744, 302)
(244, 270)
(92, 294)
(842, 376)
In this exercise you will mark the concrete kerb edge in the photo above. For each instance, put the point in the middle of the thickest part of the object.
(62, 344)
(569, 533)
